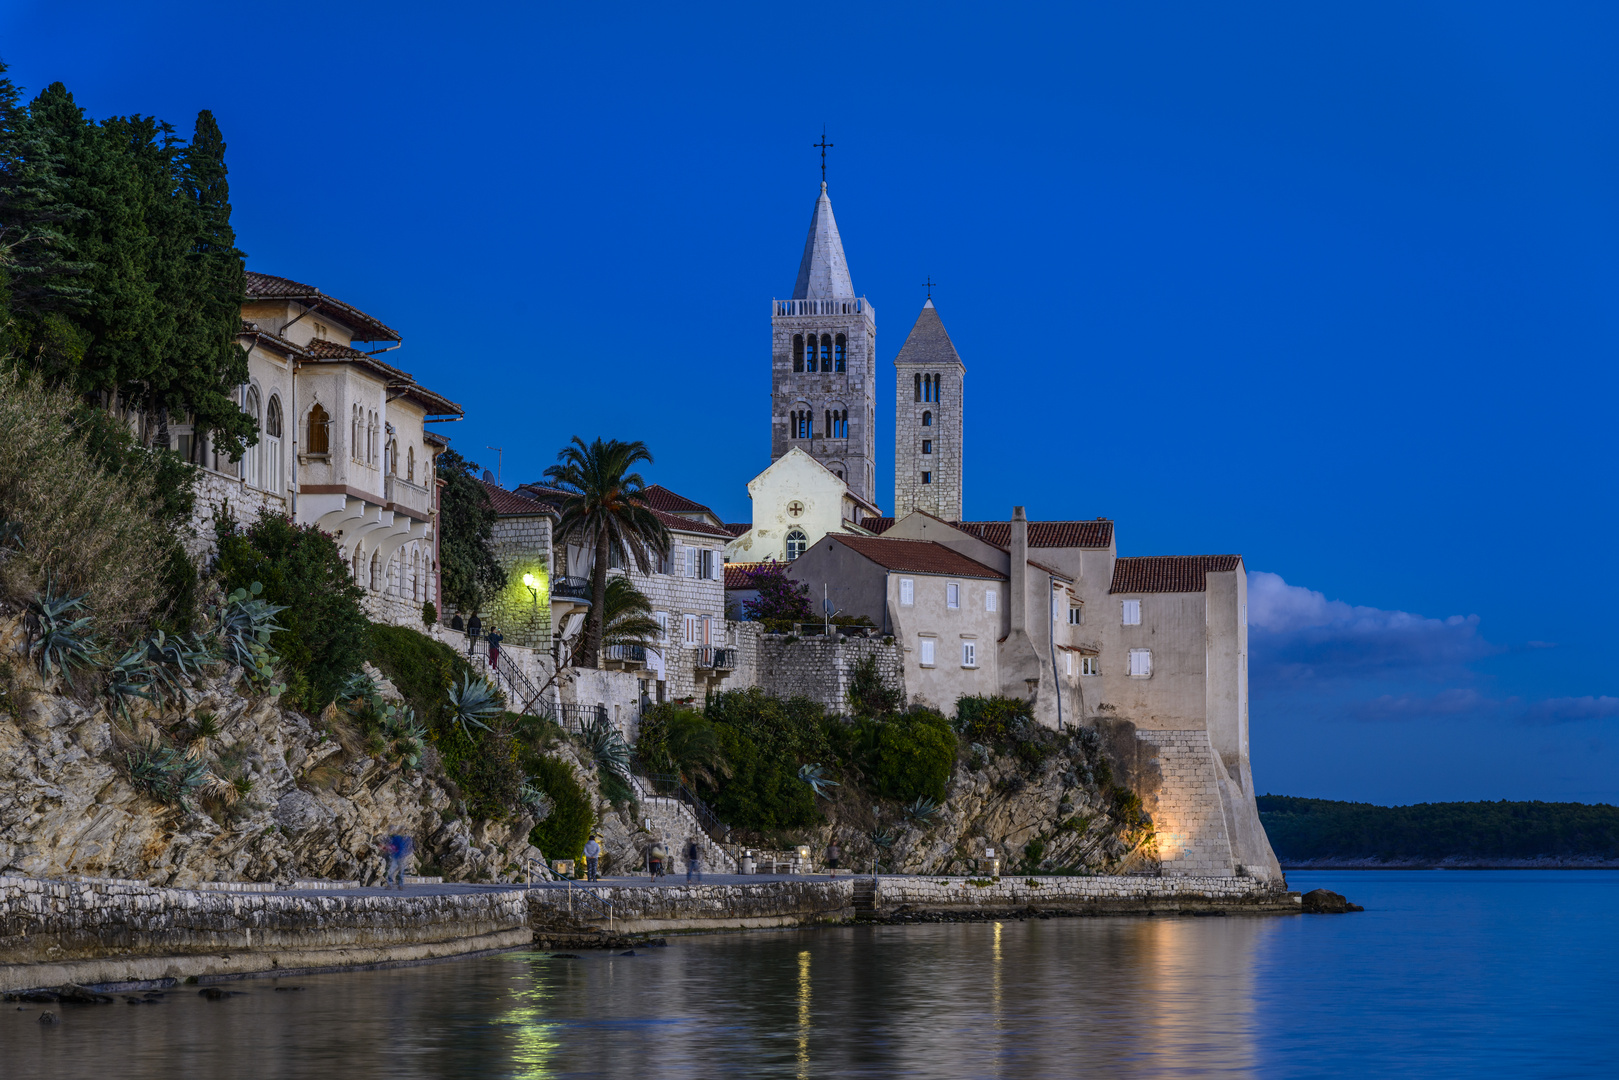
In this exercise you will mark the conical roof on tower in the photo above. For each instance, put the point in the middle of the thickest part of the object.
(928, 343)
(823, 273)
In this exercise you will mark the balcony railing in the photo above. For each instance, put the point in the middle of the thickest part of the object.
(630, 654)
(573, 589)
(850, 306)
(714, 658)
(401, 492)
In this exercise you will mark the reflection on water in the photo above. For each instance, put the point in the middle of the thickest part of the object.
(1445, 975)
(1129, 996)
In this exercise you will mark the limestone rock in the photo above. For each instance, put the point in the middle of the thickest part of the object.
(1326, 902)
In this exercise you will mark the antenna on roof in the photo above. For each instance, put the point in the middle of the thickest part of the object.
(500, 456)
(488, 477)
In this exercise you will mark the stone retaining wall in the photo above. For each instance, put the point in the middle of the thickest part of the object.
(1099, 894)
(52, 932)
(691, 907)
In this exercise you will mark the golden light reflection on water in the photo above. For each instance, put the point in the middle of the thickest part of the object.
(536, 1042)
(803, 1014)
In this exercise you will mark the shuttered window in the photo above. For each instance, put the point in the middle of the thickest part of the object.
(691, 629)
(952, 595)
(989, 599)
(1132, 612)
(927, 651)
(907, 591)
(1140, 663)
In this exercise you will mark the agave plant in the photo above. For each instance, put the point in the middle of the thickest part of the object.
(815, 776)
(608, 747)
(359, 687)
(173, 662)
(922, 810)
(473, 702)
(166, 774)
(62, 637)
(130, 677)
(404, 737)
(245, 624)
(535, 801)
(203, 727)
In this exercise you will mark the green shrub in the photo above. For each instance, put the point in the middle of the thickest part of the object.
(909, 757)
(995, 721)
(423, 669)
(563, 833)
(764, 792)
(326, 636)
(869, 694)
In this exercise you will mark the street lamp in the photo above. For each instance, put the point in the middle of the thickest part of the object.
(532, 583)
(994, 863)
(803, 858)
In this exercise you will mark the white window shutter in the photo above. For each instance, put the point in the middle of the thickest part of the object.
(927, 650)
(907, 591)
(989, 599)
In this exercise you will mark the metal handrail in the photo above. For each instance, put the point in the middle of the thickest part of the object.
(522, 696)
(574, 588)
(670, 786)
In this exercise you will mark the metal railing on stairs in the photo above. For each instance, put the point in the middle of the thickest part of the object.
(670, 786)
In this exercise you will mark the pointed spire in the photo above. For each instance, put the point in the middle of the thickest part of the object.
(823, 273)
(929, 342)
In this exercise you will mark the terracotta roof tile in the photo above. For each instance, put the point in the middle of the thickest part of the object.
(739, 575)
(1053, 534)
(737, 528)
(1169, 573)
(511, 504)
(878, 525)
(681, 524)
(914, 556)
(661, 498)
(270, 287)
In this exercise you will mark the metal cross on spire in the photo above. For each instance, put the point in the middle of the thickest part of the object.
(928, 284)
(824, 145)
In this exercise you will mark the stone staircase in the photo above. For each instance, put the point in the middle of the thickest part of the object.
(673, 821)
(865, 898)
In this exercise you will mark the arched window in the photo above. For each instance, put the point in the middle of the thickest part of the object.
(798, 352)
(410, 463)
(809, 353)
(415, 575)
(272, 445)
(376, 571)
(840, 424)
(841, 350)
(918, 387)
(803, 423)
(253, 460)
(796, 543)
(355, 565)
(319, 439)
(826, 352)
(356, 451)
(828, 428)
(927, 419)
(393, 457)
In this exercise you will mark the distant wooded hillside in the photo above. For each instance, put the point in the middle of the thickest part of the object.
(1322, 831)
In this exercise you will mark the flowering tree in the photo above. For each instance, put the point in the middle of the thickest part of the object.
(780, 597)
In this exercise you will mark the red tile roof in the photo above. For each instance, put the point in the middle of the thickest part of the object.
(878, 525)
(737, 528)
(739, 575)
(321, 349)
(270, 287)
(1055, 534)
(511, 504)
(1169, 573)
(677, 523)
(661, 498)
(914, 556)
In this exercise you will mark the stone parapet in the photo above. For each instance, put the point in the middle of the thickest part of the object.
(1098, 894)
(819, 668)
(52, 932)
(633, 909)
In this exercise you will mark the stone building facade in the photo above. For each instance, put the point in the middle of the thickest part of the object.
(823, 362)
(929, 396)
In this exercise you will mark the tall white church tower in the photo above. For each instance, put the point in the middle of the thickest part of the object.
(823, 378)
(929, 391)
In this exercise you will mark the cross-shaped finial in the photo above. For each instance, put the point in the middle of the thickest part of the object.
(929, 283)
(824, 145)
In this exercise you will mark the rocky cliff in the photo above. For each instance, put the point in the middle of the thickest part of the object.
(304, 800)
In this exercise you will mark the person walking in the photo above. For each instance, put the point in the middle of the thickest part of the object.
(593, 850)
(654, 859)
(694, 860)
(398, 849)
(474, 631)
(494, 638)
(833, 855)
(457, 624)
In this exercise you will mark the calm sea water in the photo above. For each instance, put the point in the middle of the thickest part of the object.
(1505, 973)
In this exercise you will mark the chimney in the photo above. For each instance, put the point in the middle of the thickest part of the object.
(1019, 572)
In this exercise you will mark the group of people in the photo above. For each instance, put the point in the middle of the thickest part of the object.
(473, 628)
(658, 861)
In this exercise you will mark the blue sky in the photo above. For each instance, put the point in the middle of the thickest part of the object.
(1329, 285)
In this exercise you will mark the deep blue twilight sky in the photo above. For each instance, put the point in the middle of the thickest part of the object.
(1331, 285)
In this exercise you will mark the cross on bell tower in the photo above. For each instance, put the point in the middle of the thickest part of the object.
(825, 146)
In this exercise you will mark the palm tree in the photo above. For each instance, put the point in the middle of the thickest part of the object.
(604, 509)
(629, 618)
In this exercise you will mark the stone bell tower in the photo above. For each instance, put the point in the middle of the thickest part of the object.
(929, 388)
(823, 378)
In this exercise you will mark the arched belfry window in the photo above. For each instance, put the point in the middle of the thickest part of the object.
(798, 352)
(927, 419)
(840, 353)
(319, 441)
(918, 387)
(796, 543)
(809, 353)
(930, 387)
(826, 352)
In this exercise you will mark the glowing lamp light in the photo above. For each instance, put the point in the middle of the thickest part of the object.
(532, 583)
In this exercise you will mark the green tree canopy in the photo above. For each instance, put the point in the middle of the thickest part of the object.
(470, 571)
